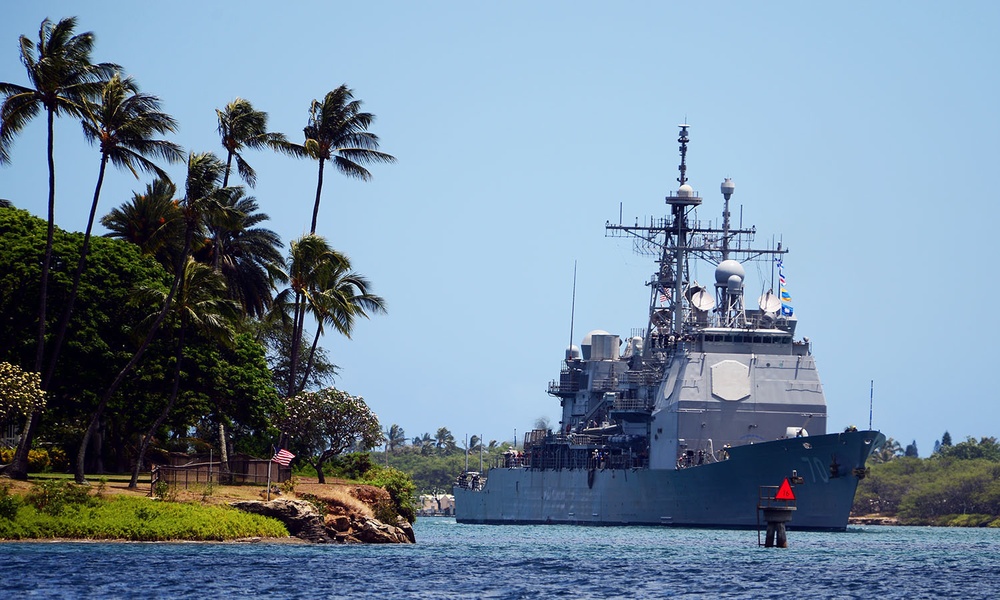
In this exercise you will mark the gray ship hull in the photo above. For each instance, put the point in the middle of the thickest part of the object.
(724, 494)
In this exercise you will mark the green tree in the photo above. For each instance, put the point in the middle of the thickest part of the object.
(325, 424)
(100, 338)
(337, 131)
(946, 439)
(61, 77)
(240, 127)
(986, 448)
(911, 449)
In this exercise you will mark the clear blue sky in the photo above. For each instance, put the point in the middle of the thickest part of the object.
(864, 135)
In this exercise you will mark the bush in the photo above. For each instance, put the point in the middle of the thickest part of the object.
(8, 504)
(40, 460)
(352, 466)
(400, 487)
(52, 497)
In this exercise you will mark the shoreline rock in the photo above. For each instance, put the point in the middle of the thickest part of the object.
(305, 522)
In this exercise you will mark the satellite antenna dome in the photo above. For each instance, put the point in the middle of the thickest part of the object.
(735, 284)
(685, 191)
(728, 187)
(727, 269)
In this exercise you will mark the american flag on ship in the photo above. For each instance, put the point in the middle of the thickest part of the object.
(664, 294)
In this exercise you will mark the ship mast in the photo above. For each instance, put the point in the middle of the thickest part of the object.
(676, 306)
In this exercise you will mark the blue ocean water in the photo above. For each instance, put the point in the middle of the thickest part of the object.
(472, 561)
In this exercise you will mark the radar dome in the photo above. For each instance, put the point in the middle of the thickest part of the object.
(685, 191)
(727, 269)
(735, 284)
(588, 339)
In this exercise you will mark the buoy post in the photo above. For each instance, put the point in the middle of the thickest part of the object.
(777, 504)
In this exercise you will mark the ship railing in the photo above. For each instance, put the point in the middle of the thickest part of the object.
(557, 388)
(630, 405)
(608, 384)
(471, 480)
(646, 377)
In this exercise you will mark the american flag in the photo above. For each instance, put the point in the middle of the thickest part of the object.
(283, 457)
(664, 295)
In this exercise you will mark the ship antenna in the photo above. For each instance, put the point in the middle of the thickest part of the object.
(572, 315)
(728, 187)
(683, 140)
(871, 402)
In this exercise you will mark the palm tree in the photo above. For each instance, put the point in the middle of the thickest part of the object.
(122, 124)
(338, 131)
(200, 303)
(249, 257)
(241, 126)
(153, 221)
(342, 296)
(444, 441)
(62, 77)
(395, 438)
(889, 451)
(202, 194)
(322, 283)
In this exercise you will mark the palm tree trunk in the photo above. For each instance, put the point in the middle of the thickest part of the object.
(18, 467)
(84, 249)
(47, 261)
(223, 452)
(134, 482)
(312, 356)
(298, 316)
(319, 190)
(229, 164)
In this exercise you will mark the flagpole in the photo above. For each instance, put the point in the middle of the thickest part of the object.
(269, 461)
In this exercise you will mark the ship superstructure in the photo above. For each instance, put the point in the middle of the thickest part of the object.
(685, 419)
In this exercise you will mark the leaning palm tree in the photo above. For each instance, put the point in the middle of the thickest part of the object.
(241, 127)
(310, 258)
(322, 284)
(342, 295)
(338, 131)
(200, 303)
(62, 76)
(123, 124)
(202, 194)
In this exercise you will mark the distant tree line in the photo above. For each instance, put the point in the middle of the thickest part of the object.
(434, 461)
(959, 484)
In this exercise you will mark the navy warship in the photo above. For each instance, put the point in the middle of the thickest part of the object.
(688, 421)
